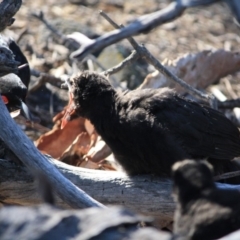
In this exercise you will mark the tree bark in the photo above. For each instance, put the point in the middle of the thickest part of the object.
(8, 9)
(143, 194)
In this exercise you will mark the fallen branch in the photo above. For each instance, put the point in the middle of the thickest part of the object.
(61, 37)
(8, 9)
(144, 194)
(227, 175)
(127, 61)
(24, 148)
(142, 24)
(44, 78)
(143, 52)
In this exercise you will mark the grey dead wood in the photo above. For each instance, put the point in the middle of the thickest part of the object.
(46, 222)
(143, 194)
(8, 9)
(142, 24)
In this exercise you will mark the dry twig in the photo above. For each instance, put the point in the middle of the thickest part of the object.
(227, 175)
(142, 52)
(44, 78)
(142, 24)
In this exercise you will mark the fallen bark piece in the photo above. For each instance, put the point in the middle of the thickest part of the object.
(57, 140)
(214, 64)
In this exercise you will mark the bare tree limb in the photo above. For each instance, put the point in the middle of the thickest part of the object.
(227, 175)
(8, 9)
(61, 37)
(22, 147)
(145, 54)
(44, 78)
(142, 24)
(127, 61)
(144, 194)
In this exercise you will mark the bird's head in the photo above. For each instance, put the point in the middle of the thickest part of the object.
(191, 177)
(13, 87)
(89, 92)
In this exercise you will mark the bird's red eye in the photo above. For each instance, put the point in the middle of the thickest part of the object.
(5, 99)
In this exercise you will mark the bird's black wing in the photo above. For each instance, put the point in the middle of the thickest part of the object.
(202, 131)
(24, 73)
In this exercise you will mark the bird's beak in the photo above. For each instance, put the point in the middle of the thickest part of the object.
(70, 110)
(25, 111)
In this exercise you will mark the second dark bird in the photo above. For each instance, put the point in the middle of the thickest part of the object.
(203, 211)
(149, 130)
(14, 87)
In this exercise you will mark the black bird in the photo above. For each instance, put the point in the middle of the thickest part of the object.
(13, 87)
(203, 211)
(149, 130)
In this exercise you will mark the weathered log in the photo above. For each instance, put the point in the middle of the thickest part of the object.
(144, 194)
(8, 9)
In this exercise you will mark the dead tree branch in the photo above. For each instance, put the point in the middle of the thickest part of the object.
(61, 37)
(143, 194)
(24, 148)
(142, 24)
(8, 9)
(145, 54)
(72, 41)
(44, 78)
(227, 175)
(108, 187)
(127, 61)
